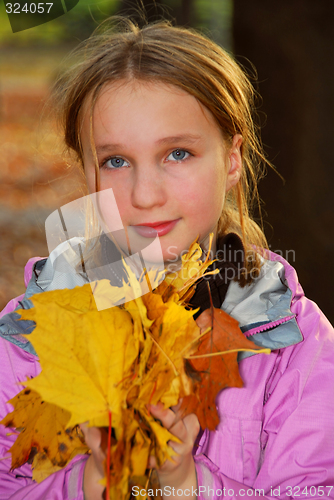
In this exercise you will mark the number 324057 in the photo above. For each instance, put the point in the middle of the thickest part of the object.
(32, 8)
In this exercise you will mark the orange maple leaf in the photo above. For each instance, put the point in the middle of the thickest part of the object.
(213, 366)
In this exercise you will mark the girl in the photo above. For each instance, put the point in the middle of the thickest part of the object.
(163, 117)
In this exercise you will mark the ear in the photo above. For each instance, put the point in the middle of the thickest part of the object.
(234, 162)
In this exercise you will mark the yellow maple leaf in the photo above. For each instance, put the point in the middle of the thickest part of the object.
(90, 354)
(173, 328)
(178, 285)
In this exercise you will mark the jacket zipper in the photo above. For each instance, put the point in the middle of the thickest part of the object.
(268, 326)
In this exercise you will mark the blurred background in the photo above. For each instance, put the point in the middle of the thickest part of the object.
(290, 43)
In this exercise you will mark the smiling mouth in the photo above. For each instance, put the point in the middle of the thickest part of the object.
(153, 229)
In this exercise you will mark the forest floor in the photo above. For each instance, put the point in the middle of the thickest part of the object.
(34, 178)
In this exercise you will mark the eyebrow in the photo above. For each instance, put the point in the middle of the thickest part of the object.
(185, 138)
(189, 138)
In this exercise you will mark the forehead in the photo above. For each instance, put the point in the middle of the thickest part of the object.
(165, 105)
(124, 92)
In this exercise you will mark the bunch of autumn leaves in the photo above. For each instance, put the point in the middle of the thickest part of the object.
(106, 367)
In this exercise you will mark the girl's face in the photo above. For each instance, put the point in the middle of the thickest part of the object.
(165, 159)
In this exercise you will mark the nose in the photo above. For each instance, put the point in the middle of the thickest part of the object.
(148, 187)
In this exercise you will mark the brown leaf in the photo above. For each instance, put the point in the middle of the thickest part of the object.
(43, 433)
(211, 373)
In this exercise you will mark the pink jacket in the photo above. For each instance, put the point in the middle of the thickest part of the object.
(276, 434)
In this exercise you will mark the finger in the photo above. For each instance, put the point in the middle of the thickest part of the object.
(175, 425)
(171, 463)
(152, 463)
(93, 439)
(83, 426)
(166, 416)
(192, 426)
(204, 320)
(176, 408)
(187, 431)
(181, 411)
(168, 420)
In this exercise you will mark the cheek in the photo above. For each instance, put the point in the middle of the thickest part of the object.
(205, 195)
(123, 204)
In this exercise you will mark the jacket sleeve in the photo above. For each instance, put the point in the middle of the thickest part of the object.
(15, 366)
(65, 484)
(296, 458)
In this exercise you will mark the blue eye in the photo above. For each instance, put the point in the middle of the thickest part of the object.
(115, 162)
(178, 154)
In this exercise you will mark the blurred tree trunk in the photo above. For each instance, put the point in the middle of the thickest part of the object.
(291, 44)
(185, 16)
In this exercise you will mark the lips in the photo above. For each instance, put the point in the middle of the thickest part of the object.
(153, 229)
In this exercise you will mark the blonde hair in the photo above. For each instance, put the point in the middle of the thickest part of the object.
(159, 52)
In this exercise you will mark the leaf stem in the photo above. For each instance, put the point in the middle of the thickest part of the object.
(196, 339)
(109, 454)
(147, 279)
(148, 481)
(209, 249)
(163, 352)
(220, 353)
(132, 376)
(152, 394)
(196, 277)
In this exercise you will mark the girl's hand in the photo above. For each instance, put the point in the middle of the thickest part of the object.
(181, 473)
(94, 470)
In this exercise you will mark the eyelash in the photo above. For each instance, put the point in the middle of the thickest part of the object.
(103, 165)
